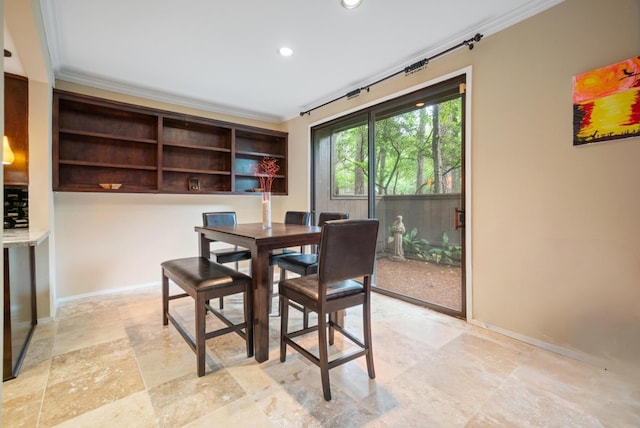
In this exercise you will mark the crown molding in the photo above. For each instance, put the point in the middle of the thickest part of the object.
(162, 96)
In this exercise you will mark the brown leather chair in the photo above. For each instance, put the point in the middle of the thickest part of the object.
(306, 264)
(225, 255)
(347, 254)
(290, 217)
(202, 279)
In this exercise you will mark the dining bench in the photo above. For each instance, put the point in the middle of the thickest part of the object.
(204, 280)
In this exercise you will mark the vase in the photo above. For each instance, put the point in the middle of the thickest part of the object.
(266, 210)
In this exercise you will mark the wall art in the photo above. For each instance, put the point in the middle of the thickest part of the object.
(606, 103)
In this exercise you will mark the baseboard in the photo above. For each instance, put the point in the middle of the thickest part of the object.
(106, 292)
(46, 320)
(576, 355)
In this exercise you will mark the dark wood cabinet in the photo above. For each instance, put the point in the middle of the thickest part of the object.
(16, 128)
(250, 149)
(20, 316)
(97, 143)
(195, 155)
(100, 143)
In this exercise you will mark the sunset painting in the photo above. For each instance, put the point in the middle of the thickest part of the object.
(606, 103)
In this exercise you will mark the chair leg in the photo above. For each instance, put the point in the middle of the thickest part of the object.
(284, 325)
(271, 294)
(200, 333)
(165, 299)
(324, 355)
(332, 320)
(366, 323)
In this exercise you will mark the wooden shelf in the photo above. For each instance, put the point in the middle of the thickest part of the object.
(187, 146)
(106, 136)
(259, 154)
(107, 165)
(156, 151)
(196, 171)
(180, 182)
(256, 176)
(87, 178)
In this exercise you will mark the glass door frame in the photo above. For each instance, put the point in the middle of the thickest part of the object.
(464, 77)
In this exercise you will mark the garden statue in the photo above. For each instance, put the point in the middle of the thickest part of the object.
(398, 230)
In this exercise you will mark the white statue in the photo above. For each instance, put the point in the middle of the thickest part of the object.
(398, 230)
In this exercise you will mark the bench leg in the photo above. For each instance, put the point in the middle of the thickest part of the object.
(165, 298)
(200, 333)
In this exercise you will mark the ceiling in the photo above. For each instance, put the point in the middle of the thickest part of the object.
(222, 56)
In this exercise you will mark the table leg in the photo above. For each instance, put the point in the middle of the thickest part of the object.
(261, 296)
(204, 246)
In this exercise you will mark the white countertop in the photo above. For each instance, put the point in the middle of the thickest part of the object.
(23, 237)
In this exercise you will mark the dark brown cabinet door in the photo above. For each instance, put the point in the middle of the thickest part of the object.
(16, 128)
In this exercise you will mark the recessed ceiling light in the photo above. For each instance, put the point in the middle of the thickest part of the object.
(420, 104)
(285, 51)
(350, 4)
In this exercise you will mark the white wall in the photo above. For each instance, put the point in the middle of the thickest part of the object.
(114, 241)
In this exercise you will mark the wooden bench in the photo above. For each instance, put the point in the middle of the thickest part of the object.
(203, 280)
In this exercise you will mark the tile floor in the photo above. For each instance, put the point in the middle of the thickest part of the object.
(108, 361)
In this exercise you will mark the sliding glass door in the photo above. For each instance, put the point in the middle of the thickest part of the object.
(341, 168)
(402, 162)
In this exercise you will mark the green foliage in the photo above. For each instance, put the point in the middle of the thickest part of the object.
(423, 250)
(405, 162)
(450, 254)
(351, 161)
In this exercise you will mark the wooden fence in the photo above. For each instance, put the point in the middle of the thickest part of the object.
(431, 214)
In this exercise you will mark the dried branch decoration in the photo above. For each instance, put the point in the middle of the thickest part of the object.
(266, 172)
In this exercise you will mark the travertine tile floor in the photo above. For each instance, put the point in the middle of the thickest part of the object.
(108, 361)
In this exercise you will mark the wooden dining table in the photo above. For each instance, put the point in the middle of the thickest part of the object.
(261, 242)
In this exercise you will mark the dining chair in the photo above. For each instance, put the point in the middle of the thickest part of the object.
(346, 261)
(306, 264)
(225, 255)
(290, 217)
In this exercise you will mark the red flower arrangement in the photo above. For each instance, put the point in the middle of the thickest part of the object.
(266, 172)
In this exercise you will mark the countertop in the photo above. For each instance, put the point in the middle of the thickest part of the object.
(23, 237)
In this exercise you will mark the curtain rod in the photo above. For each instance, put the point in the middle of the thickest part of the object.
(407, 70)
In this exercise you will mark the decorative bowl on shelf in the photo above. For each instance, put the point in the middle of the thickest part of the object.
(109, 186)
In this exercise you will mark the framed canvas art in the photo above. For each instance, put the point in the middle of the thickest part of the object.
(606, 103)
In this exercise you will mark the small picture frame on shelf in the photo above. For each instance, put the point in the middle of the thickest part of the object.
(193, 184)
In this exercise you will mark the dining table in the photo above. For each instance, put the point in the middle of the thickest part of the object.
(261, 242)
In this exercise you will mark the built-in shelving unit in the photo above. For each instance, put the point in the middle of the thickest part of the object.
(196, 154)
(101, 142)
(250, 149)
